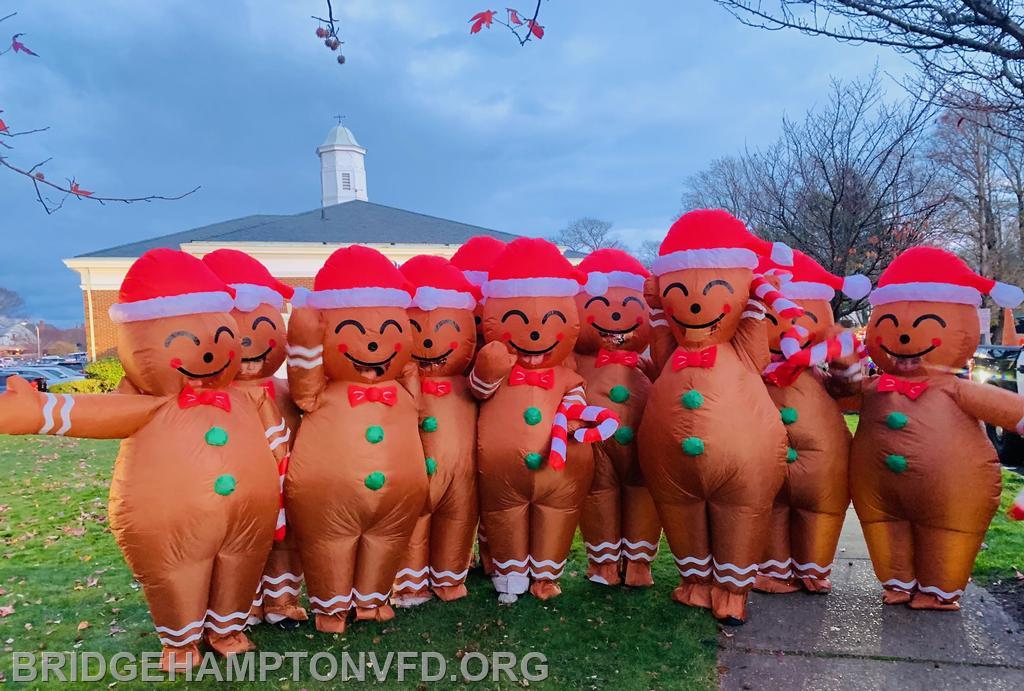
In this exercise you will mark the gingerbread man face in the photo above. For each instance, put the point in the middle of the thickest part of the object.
(261, 336)
(443, 340)
(704, 306)
(817, 319)
(366, 343)
(918, 337)
(617, 320)
(539, 331)
(161, 356)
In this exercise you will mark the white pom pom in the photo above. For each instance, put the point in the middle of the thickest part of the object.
(301, 296)
(782, 254)
(856, 286)
(1006, 295)
(597, 284)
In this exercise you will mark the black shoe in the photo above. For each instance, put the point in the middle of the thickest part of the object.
(731, 621)
(288, 624)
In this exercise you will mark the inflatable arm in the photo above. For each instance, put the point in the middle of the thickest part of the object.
(306, 380)
(663, 343)
(990, 404)
(23, 410)
(493, 363)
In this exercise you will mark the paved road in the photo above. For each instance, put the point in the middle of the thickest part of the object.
(849, 640)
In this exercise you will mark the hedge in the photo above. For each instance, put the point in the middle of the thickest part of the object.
(103, 376)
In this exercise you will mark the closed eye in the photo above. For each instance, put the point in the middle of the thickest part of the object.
(718, 282)
(416, 325)
(677, 286)
(515, 313)
(554, 313)
(632, 298)
(390, 322)
(934, 317)
(264, 320)
(597, 298)
(813, 317)
(437, 327)
(350, 322)
(223, 329)
(890, 317)
(181, 334)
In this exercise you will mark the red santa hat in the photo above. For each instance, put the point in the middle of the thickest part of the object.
(169, 283)
(714, 239)
(476, 256)
(251, 280)
(437, 283)
(610, 268)
(808, 280)
(931, 274)
(532, 267)
(356, 276)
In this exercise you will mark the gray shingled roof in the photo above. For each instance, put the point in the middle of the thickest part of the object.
(348, 223)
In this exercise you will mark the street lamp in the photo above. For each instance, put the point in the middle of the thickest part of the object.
(39, 343)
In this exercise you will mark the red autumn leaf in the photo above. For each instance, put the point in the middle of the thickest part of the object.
(480, 20)
(75, 189)
(3, 125)
(6, 611)
(20, 47)
(535, 28)
(40, 176)
(513, 17)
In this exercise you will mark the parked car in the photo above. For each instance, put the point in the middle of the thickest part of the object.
(50, 375)
(1002, 366)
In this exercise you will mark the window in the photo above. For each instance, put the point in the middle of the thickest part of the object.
(346, 181)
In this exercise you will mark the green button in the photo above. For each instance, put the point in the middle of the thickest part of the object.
(532, 416)
(693, 399)
(896, 463)
(216, 436)
(431, 465)
(619, 394)
(533, 460)
(224, 485)
(429, 424)
(896, 420)
(624, 435)
(693, 446)
(789, 415)
(375, 434)
(791, 455)
(374, 480)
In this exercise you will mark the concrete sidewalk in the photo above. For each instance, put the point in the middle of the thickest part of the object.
(849, 640)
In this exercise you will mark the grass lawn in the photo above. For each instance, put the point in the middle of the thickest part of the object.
(70, 590)
(1004, 553)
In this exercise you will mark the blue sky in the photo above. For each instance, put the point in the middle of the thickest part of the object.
(606, 116)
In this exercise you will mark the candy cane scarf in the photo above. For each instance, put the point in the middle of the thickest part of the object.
(776, 301)
(279, 529)
(606, 421)
(797, 358)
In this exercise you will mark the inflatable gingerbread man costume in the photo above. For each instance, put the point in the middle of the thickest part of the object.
(619, 521)
(712, 447)
(357, 479)
(259, 301)
(194, 497)
(528, 508)
(811, 506)
(925, 479)
(444, 340)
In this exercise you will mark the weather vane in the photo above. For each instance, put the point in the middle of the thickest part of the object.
(339, 118)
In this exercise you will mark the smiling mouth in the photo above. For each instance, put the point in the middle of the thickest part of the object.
(615, 332)
(259, 358)
(429, 362)
(193, 375)
(376, 368)
(909, 356)
(700, 326)
(533, 357)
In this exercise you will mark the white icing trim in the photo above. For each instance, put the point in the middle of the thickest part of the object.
(925, 292)
(719, 258)
(531, 287)
(249, 296)
(171, 306)
(941, 593)
(371, 296)
(428, 298)
(304, 352)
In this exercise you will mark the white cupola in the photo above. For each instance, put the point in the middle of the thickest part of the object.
(342, 167)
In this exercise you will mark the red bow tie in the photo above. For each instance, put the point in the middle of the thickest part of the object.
(910, 389)
(271, 390)
(436, 388)
(698, 358)
(616, 357)
(357, 395)
(545, 379)
(190, 398)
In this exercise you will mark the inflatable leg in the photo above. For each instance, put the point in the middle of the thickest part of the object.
(486, 563)
(641, 532)
(231, 588)
(739, 536)
(600, 523)
(330, 566)
(381, 551)
(451, 541)
(891, 547)
(412, 582)
(943, 560)
(508, 540)
(775, 573)
(686, 528)
(551, 532)
(282, 580)
(178, 597)
(814, 537)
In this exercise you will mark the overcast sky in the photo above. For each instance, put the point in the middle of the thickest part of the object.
(606, 116)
